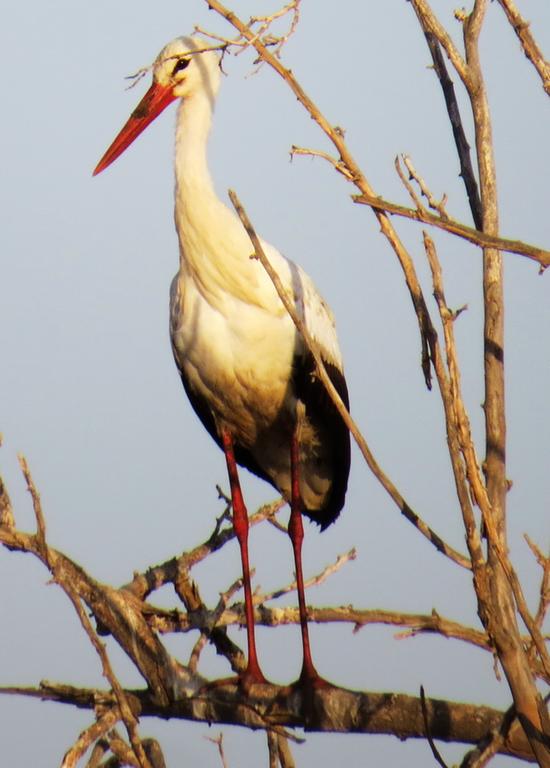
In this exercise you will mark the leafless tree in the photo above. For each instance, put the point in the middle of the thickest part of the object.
(508, 630)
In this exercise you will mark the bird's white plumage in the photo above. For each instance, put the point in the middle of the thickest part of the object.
(232, 339)
(246, 370)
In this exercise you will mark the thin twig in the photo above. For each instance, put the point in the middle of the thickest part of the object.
(122, 751)
(312, 346)
(36, 504)
(431, 24)
(453, 111)
(409, 187)
(528, 42)
(286, 759)
(313, 581)
(196, 651)
(489, 746)
(6, 511)
(258, 27)
(435, 751)
(336, 136)
(218, 741)
(523, 610)
(544, 592)
(454, 227)
(168, 572)
(272, 749)
(57, 573)
(436, 205)
(89, 735)
(336, 164)
(127, 715)
(457, 421)
(99, 750)
(421, 214)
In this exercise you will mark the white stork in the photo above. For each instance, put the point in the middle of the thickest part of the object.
(245, 369)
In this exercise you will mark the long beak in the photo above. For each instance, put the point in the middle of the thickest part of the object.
(157, 98)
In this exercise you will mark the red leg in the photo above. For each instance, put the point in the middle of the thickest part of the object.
(253, 673)
(309, 674)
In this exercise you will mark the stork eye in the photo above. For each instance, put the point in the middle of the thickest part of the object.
(180, 64)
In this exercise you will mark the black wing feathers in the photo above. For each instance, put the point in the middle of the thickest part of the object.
(321, 411)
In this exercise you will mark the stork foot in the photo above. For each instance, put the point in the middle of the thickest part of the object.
(250, 677)
(244, 681)
(310, 678)
(307, 686)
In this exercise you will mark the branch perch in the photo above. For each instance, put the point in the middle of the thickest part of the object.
(336, 710)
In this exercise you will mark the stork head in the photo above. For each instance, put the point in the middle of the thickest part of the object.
(187, 68)
(182, 69)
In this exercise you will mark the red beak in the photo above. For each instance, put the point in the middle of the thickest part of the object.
(157, 98)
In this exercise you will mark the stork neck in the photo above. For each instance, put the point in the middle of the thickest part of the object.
(192, 130)
(214, 247)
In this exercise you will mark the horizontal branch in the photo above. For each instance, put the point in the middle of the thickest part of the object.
(454, 227)
(170, 571)
(117, 612)
(165, 621)
(333, 709)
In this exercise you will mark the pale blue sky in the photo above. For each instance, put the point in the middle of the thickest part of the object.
(90, 394)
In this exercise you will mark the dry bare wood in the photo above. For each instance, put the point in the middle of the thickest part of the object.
(499, 600)
(177, 690)
(336, 710)
(531, 49)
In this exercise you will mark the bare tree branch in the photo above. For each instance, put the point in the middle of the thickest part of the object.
(165, 621)
(175, 690)
(6, 512)
(451, 102)
(336, 710)
(170, 571)
(88, 736)
(488, 746)
(528, 43)
(424, 529)
(496, 605)
(474, 236)
(59, 574)
(435, 751)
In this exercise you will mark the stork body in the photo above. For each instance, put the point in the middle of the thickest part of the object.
(244, 367)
